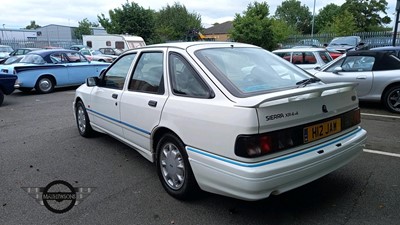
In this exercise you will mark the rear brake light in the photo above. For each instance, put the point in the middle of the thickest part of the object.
(258, 145)
(251, 146)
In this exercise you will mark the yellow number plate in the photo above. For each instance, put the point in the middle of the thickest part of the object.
(321, 130)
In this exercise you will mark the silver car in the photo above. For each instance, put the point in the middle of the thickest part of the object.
(305, 58)
(376, 72)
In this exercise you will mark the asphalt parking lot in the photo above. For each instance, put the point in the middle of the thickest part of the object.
(40, 143)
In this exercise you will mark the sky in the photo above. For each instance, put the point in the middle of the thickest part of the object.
(18, 13)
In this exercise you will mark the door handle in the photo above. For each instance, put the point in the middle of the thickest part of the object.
(152, 103)
(361, 77)
(114, 96)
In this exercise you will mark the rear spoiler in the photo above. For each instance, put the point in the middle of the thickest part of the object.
(301, 93)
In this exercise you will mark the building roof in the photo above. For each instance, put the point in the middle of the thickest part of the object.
(222, 28)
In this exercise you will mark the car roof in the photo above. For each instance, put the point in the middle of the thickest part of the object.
(386, 48)
(185, 45)
(301, 50)
(44, 52)
(383, 59)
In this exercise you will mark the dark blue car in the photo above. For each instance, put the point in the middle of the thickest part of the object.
(7, 82)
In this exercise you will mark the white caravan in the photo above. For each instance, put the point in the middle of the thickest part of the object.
(122, 42)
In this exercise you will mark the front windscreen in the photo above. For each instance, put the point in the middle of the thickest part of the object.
(250, 71)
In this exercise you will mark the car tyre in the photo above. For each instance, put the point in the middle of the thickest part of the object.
(391, 99)
(82, 120)
(174, 170)
(45, 85)
(1, 97)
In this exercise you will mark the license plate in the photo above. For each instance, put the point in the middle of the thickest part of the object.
(321, 130)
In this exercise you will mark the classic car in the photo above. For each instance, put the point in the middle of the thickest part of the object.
(305, 58)
(23, 51)
(13, 59)
(375, 72)
(46, 69)
(6, 85)
(223, 117)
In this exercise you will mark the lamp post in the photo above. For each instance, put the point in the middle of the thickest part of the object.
(396, 23)
(312, 25)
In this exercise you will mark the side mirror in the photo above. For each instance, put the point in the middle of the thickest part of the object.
(92, 81)
(337, 70)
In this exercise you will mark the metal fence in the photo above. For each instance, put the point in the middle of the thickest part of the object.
(371, 39)
(15, 43)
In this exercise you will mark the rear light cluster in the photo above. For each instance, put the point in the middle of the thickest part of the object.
(251, 146)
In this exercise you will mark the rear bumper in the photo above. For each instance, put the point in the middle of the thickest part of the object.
(254, 181)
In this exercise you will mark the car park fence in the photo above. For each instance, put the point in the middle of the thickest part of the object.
(370, 39)
(23, 43)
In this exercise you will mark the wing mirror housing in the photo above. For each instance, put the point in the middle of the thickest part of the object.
(92, 81)
(337, 70)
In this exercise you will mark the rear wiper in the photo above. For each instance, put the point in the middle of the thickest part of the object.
(305, 82)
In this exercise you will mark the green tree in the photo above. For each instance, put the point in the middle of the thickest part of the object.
(368, 14)
(254, 27)
(344, 24)
(295, 15)
(281, 30)
(176, 23)
(130, 19)
(84, 28)
(33, 25)
(325, 17)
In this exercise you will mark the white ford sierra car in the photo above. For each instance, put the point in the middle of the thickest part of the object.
(227, 118)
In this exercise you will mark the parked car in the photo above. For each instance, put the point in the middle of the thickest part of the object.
(95, 55)
(375, 72)
(333, 53)
(13, 59)
(394, 50)
(309, 42)
(110, 51)
(346, 43)
(78, 47)
(6, 85)
(23, 51)
(5, 51)
(305, 58)
(227, 118)
(46, 69)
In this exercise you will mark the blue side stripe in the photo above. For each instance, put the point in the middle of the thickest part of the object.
(250, 165)
(120, 122)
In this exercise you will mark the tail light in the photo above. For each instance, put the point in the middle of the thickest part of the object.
(251, 146)
(258, 145)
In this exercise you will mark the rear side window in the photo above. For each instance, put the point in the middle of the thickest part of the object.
(325, 56)
(285, 55)
(304, 58)
(184, 79)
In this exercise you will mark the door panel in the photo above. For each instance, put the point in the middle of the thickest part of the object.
(142, 103)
